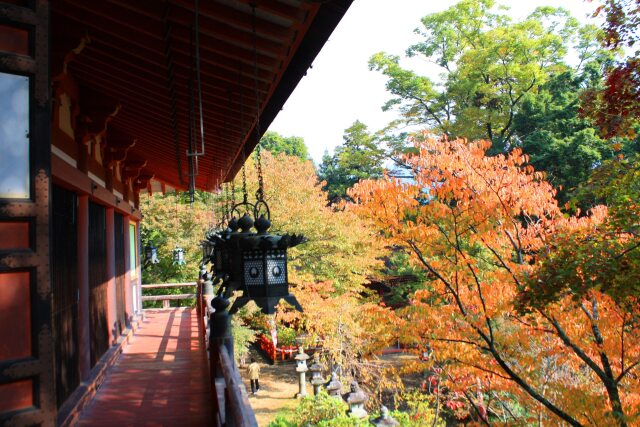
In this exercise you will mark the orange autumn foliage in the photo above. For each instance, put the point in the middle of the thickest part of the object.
(477, 225)
(327, 272)
(340, 249)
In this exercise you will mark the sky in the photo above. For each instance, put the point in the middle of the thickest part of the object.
(339, 88)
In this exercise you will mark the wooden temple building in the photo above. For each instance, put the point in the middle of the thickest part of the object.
(100, 100)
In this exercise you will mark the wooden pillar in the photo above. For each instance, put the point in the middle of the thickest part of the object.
(84, 338)
(128, 291)
(138, 287)
(112, 313)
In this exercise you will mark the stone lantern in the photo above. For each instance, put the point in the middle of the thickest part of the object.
(385, 420)
(334, 387)
(301, 369)
(316, 374)
(356, 399)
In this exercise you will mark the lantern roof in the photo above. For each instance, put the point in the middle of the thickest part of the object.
(248, 240)
(301, 356)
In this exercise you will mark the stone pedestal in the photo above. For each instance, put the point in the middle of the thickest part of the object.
(301, 369)
(334, 387)
(316, 374)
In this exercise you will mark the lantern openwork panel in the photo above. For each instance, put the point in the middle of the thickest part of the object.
(265, 272)
(254, 263)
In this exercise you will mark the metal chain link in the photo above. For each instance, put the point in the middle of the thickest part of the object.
(233, 194)
(260, 191)
(225, 202)
(244, 179)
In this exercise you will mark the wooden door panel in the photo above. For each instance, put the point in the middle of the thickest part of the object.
(16, 396)
(14, 235)
(15, 315)
(27, 386)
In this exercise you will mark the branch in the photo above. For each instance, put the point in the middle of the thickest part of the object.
(626, 251)
(458, 341)
(484, 305)
(517, 319)
(504, 265)
(449, 286)
(473, 404)
(480, 368)
(577, 350)
(626, 371)
(527, 388)
(517, 248)
(504, 405)
(426, 107)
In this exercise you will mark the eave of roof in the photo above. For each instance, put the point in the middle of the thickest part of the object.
(140, 58)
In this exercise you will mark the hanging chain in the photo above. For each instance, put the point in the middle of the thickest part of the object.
(260, 191)
(175, 203)
(217, 215)
(233, 194)
(244, 179)
(225, 202)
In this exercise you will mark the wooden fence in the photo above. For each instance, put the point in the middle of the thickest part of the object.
(166, 299)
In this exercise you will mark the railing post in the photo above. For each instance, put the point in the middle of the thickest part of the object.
(219, 335)
(199, 285)
(206, 297)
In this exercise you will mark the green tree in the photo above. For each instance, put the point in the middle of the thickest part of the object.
(359, 157)
(549, 129)
(170, 222)
(489, 64)
(289, 145)
(606, 258)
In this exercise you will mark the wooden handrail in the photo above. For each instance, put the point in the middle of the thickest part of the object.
(230, 402)
(168, 297)
(241, 411)
(168, 285)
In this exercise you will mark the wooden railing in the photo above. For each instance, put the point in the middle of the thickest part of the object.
(230, 401)
(166, 299)
(237, 410)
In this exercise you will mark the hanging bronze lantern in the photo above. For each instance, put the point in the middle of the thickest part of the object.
(178, 256)
(256, 261)
(220, 254)
(215, 250)
(259, 265)
(151, 254)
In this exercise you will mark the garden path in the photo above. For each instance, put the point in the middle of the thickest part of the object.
(278, 387)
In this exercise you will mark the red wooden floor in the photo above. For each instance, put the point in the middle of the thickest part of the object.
(159, 380)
